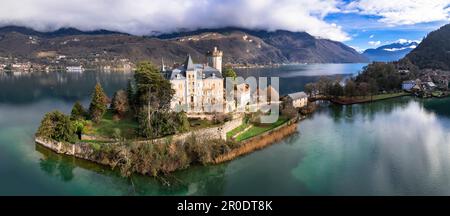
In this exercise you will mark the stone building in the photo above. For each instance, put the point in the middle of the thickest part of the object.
(214, 59)
(199, 88)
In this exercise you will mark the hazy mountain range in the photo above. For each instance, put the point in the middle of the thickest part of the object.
(239, 46)
(391, 52)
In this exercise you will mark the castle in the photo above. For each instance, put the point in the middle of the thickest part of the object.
(199, 88)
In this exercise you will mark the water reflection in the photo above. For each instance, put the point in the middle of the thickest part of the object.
(195, 180)
(32, 87)
(394, 147)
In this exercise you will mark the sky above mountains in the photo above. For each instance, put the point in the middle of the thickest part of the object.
(361, 24)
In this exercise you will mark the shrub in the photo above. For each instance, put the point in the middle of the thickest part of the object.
(158, 124)
(182, 122)
(57, 126)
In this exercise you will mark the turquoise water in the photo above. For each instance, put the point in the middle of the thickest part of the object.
(392, 147)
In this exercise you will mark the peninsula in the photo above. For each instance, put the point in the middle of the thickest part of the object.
(169, 118)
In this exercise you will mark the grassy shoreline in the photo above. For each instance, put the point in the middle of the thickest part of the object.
(368, 99)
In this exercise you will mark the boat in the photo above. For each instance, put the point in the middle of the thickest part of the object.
(75, 69)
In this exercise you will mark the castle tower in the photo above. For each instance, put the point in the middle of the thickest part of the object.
(163, 66)
(214, 59)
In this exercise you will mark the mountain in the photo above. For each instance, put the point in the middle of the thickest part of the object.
(391, 52)
(239, 46)
(58, 33)
(434, 51)
(294, 46)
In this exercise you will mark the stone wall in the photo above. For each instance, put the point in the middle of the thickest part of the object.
(218, 132)
(80, 150)
(87, 152)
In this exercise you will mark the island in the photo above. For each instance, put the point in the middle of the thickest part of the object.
(168, 119)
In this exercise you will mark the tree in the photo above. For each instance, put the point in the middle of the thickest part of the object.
(157, 124)
(385, 75)
(79, 126)
(152, 88)
(363, 89)
(310, 88)
(120, 103)
(98, 105)
(373, 88)
(57, 126)
(350, 88)
(153, 96)
(182, 122)
(131, 92)
(229, 72)
(337, 90)
(78, 112)
(324, 85)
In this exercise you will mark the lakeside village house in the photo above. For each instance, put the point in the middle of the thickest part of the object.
(199, 88)
(417, 85)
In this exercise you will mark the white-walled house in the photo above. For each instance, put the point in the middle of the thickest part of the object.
(408, 85)
(298, 99)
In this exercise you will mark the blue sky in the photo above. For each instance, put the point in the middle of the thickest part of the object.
(361, 24)
(367, 32)
(371, 24)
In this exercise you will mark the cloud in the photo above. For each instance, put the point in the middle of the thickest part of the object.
(142, 17)
(358, 49)
(398, 49)
(371, 36)
(374, 43)
(406, 41)
(402, 12)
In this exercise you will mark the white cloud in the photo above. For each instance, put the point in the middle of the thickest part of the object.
(406, 41)
(398, 49)
(403, 12)
(371, 36)
(374, 43)
(147, 16)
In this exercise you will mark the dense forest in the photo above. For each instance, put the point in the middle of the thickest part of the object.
(434, 51)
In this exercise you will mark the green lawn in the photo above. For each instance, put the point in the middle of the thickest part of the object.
(256, 130)
(437, 93)
(108, 127)
(389, 95)
(355, 100)
(127, 127)
(236, 130)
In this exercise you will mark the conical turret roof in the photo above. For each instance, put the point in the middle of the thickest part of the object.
(189, 64)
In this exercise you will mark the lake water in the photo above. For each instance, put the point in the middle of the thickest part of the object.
(392, 147)
(294, 77)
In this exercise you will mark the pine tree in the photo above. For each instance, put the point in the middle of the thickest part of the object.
(78, 112)
(131, 93)
(98, 105)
